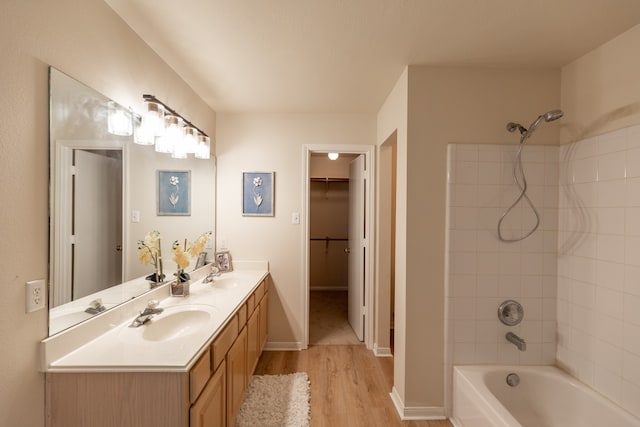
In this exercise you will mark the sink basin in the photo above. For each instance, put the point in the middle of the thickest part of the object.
(174, 323)
(225, 283)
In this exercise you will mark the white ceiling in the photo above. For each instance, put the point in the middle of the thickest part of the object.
(344, 56)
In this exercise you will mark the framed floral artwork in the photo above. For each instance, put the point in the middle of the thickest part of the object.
(258, 193)
(174, 192)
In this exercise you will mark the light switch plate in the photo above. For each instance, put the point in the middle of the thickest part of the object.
(36, 296)
(295, 218)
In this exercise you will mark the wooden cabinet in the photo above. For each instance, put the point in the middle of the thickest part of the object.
(236, 376)
(209, 395)
(210, 410)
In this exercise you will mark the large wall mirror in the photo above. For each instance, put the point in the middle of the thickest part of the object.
(103, 199)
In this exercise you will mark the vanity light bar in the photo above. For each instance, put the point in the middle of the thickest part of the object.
(151, 98)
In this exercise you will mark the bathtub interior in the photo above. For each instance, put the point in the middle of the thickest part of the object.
(544, 397)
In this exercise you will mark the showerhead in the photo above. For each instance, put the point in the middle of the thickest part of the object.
(552, 115)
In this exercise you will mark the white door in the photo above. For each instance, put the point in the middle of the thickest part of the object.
(97, 223)
(357, 247)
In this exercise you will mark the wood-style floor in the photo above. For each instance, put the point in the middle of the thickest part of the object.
(349, 385)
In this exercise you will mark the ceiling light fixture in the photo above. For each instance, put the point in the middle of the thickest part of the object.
(171, 133)
(333, 156)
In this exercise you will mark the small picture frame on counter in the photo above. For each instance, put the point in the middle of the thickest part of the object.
(223, 261)
(202, 260)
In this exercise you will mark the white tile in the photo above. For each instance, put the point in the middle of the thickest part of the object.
(510, 263)
(612, 166)
(633, 192)
(488, 241)
(486, 308)
(548, 354)
(612, 142)
(486, 353)
(488, 218)
(550, 241)
(611, 247)
(584, 269)
(612, 193)
(534, 243)
(464, 331)
(487, 286)
(487, 331)
(466, 218)
(608, 329)
(509, 286)
(631, 310)
(631, 338)
(633, 163)
(551, 195)
(611, 275)
(488, 263)
(585, 245)
(532, 286)
(550, 264)
(632, 279)
(488, 173)
(630, 401)
(463, 241)
(532, 308)
(611, 220)
(548, 331)
(464, 308)
(533, 355)
(466, 172)
(609, 302)
(584, 148)
(508, 354)
(549, 286)
(582, 319)
(583, 294)
(531, 331)
(549, 310)
(463, 285)
(631, 368)
(632, 250)
(608, 383)
(534, 173)
(632, 221)
(463, 353)
(493, 154)
(607, 356)
(585, 170)
(489, 195)
(633, 137)
(466, 153)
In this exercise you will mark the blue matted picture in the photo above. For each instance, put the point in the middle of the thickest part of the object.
(174, 189)
(258, 193)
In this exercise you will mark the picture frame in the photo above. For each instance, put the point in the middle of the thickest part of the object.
(174, 192)
(258, 196)
(202, 260)
(223, 261)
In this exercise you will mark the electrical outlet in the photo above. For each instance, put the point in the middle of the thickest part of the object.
(35, 295)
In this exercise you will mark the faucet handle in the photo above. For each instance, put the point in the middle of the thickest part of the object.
(152, 303)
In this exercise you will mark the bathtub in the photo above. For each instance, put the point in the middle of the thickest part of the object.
(545, 397)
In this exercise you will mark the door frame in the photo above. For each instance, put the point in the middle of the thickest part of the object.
(369, 158)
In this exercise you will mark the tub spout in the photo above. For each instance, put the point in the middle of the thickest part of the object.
(517, 341)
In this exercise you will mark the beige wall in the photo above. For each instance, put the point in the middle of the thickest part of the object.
(600, 91)
(88, 41)
(446, 105)
(274, 142)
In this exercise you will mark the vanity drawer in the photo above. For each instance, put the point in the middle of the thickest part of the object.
(251, 304)
(242, 316)
(259, 293)
(199, 375)
(224, 341)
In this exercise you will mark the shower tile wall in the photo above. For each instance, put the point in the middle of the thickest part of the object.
(483, 272)
(599, 264)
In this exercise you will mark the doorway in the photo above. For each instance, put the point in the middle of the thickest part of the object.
(338, 261)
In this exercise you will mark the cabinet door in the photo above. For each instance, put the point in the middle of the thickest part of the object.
(264, 316)
(210, 408)
(253, 341)
(236, 376)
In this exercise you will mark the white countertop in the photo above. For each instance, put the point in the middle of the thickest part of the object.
(108, 345)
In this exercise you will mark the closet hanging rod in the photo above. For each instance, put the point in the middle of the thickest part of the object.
(328, 239)
(329, 179)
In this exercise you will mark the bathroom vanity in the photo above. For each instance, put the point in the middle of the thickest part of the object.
(187, 366)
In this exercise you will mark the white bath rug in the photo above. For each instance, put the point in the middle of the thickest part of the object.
(276, 401)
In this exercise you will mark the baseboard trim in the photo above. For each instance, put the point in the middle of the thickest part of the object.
(329, 288)
(416, 412)
(382, 351)
(283, 346)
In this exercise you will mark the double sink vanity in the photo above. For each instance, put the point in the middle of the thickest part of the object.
(188, 365)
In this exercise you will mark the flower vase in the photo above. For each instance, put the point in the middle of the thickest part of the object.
(180, 286)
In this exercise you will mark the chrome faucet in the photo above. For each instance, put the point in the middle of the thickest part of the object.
(95, 307)
(215, 272)
(517, 341)
(146, 314)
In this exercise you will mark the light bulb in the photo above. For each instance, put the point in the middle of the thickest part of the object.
(333, 156)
